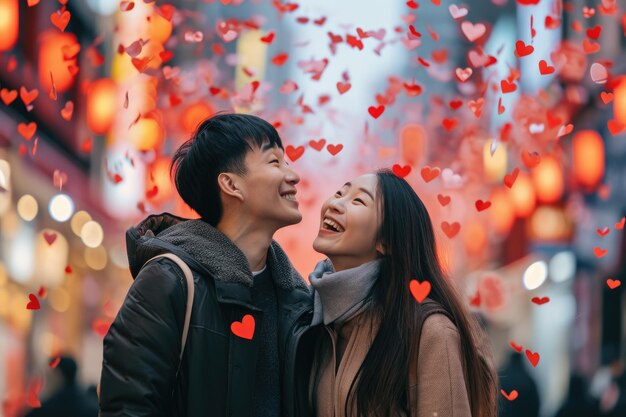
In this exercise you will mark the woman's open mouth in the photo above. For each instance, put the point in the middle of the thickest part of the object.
(331, 226)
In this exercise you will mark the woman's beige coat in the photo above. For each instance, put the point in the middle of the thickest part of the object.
(436, 377)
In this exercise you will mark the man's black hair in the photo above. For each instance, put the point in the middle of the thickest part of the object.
(220, 144)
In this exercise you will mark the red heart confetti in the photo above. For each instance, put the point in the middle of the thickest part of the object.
(429, 174)
(401, 171)
(27, 130)
(540, 301)
(318, 145)
(444, 200)
(375, 112)
(513, 394)
(515, 346)
(620, 225)
(419, 290)
(244, 328)
(533, 357)
(482, 205)
(450, 230)
(294, 153)
(599, 252)
(60, 19)
(8, 96)
(54, 362)
(334, 149)
(50, 237)
(33, 304)
(613, 283)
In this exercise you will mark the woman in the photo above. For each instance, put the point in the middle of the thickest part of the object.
(378, 237)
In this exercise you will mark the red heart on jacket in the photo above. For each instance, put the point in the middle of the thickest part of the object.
(420, 290)
(244, 328)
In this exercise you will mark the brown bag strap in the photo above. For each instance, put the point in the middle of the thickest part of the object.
(190, 294)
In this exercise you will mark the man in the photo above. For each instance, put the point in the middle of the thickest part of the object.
(66, 398)
(232, 172)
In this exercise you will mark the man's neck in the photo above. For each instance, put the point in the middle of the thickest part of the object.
(253, 242)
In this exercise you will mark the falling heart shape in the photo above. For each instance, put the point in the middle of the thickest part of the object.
(318, 145)
(375, 112)
(615, 126)
(482, 205)
(444, 200)
(599, 73)
(613, 283)
(475, 300)
(294, 153)
(540, 301)
(507, 87)
(603, 232)
(463, 73)
(68, 269)
(49, 237)
(429, 174)
(8, 96)
(42, 292)
(67, 111)
(511, 396)
(60, 20)
(533, 357)
(515, 346)
(28, 96)
(606, 97)
(334, 149)
(401, 171)
(450, 230)
(243, 328)
(473, 31)
(268, 38)
(419, 290)
(599, 252)
(620, 225)
(544, 68)
(457, 12)
(27, 130)
(521, 49)
(343, 87)
(54, 362)
(531, 159)
(33, 304)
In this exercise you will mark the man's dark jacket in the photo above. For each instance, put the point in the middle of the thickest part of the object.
(217, 374)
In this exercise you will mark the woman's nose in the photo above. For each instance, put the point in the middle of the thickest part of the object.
(336, 204)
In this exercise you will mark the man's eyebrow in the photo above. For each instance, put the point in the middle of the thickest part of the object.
(267, 146)
(360, 189)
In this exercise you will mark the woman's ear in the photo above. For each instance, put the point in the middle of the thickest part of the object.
(380, 249)
(229, 186)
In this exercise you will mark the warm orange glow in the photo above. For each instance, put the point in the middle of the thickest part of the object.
(159, 29)
(146, 134)
(159, 175)
(502, 211)
(54, 45)
(102, 104)
(9, 24)
(619, 101)
(523, 195)
(588, 158)
(548, 180)
(413, 143)
(474, 237)
(194, 114)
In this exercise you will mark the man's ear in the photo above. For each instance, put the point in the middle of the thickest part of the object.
(229, 184)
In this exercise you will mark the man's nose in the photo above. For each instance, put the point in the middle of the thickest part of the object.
(292, 176)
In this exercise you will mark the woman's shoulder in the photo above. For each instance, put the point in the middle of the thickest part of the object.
(438, 327)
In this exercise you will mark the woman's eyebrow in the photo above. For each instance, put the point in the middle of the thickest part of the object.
(360, 189)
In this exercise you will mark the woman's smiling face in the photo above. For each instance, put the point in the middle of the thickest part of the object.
(349, 224)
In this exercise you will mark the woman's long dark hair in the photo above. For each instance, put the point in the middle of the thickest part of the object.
(380, 388)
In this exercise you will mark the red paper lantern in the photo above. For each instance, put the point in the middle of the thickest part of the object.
(9, 24)
(588, 158)
(102, 104)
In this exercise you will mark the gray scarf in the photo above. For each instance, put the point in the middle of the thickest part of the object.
(340, 295)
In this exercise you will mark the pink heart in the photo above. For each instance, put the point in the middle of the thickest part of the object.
(473, 31)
